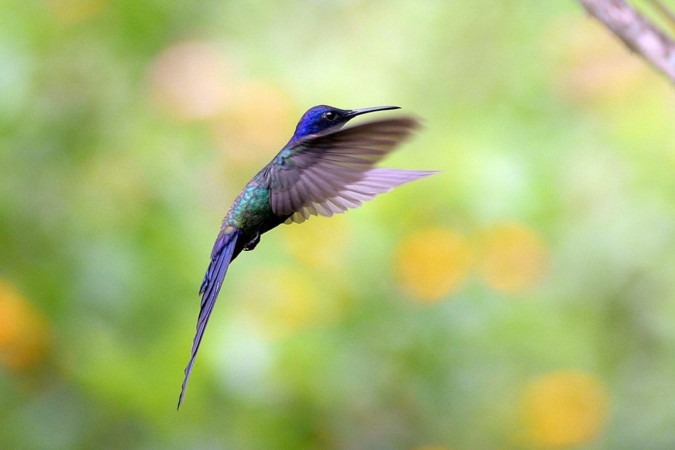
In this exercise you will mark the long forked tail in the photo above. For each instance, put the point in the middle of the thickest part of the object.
(221, 256)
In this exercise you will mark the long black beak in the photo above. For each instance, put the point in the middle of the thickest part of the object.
(358, 112)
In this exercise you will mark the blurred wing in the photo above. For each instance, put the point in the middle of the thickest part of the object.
(373, 182)
(221, 256)
(330, 173)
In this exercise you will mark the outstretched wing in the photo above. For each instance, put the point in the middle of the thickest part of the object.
(373, 182)
(327, 174)
(221, 256)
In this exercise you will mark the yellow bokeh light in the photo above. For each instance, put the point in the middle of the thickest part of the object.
(287, 301)
(262, 113)
(563, 408)
(432, 263)
(258, 120)
(23, 330)
(320, 242)
(514, 257)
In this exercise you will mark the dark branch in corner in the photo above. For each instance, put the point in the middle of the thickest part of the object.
(638, 33)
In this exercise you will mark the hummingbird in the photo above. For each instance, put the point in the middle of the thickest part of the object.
(323, 169)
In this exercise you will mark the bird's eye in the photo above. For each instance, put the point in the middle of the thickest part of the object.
(330, 115)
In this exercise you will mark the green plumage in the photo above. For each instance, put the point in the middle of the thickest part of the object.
(251, 211)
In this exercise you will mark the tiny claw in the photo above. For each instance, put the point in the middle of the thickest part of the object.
(250, 245)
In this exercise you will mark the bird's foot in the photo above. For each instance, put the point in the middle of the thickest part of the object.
(250, 245)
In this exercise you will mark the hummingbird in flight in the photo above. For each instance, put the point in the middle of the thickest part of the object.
(323, 169)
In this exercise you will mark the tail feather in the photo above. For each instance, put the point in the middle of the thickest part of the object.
(221, 256)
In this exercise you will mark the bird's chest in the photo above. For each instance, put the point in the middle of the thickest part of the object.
(251, 211)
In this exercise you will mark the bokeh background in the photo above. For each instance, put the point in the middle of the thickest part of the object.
(522, 298)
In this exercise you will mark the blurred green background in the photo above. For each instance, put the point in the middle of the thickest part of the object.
(523, 298)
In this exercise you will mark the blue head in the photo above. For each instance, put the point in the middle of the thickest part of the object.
(323, 118)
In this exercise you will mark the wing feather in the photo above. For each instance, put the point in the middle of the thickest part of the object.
(330, 173)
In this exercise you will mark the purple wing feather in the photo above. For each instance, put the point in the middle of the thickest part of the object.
(374, 182)
(329, 173)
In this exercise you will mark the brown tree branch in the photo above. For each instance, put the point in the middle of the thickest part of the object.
(638, 33)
